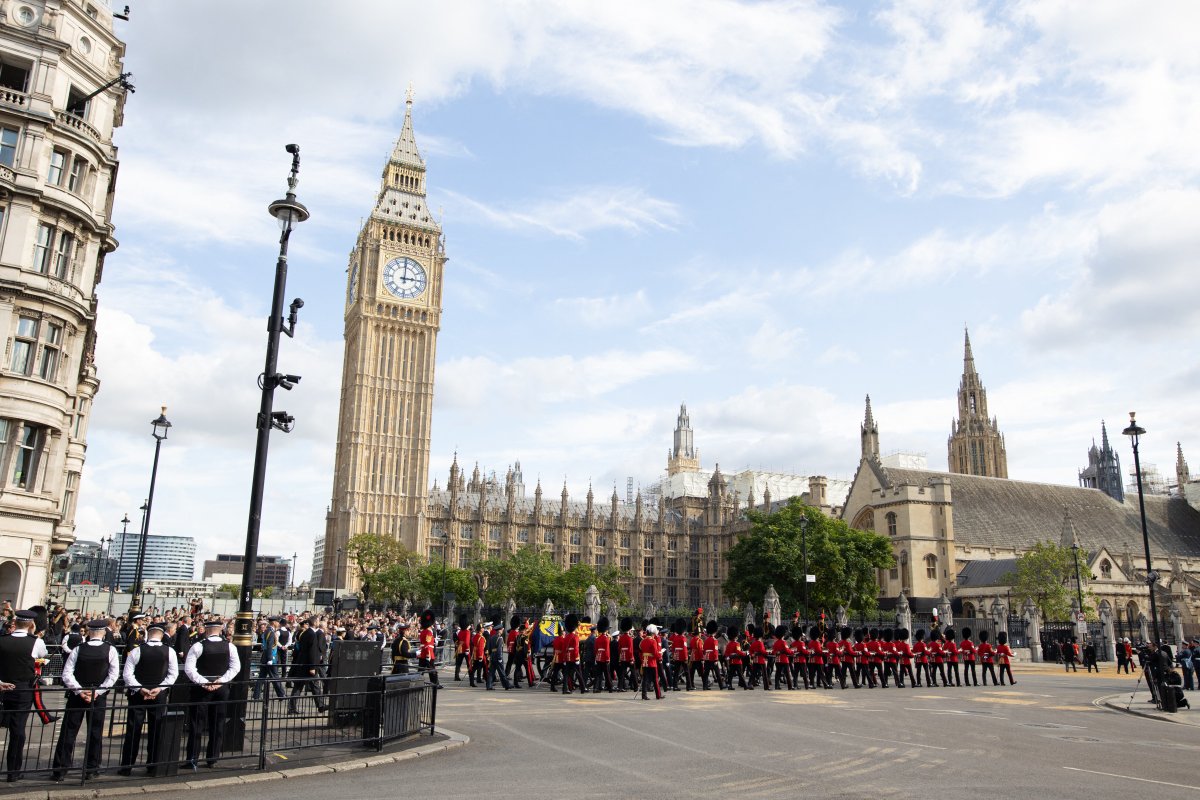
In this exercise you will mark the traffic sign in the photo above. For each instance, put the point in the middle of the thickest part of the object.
(1080, 616)
(810, 578)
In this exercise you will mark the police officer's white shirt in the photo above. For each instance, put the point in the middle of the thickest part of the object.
(68, 673)
(189, 664)
(39, 647)
(135, 657)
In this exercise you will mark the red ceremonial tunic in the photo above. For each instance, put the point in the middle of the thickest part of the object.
(650, 652)
(919, 649)
(967, 648)
(935, 650)
(463, 642)
(985, 652)
(733, 652)
(951, 650)
(571, 648)
(815, 654)
(781, 652)
(426, 644)
(712, 650)
(603, 645)
(833, 653)
(1003, 654)
(904, 650)
(625, 648)
(758, 651)
(560, 649)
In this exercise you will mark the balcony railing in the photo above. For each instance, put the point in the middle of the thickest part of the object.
(12, 97)
(72, 121)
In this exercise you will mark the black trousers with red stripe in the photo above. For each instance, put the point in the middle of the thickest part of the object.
(650, 681)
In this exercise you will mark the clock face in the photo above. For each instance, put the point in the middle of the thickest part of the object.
(404, 278)
(352, 291)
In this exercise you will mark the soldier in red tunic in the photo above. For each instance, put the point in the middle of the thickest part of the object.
(862, 661)
(783, 658)
(626, 657)
(951, 651)
(846, 670)
(758, 657)
(479, 655)
(986, 658)
(711, 656)
(462, 649)
(696, 654)
(904, 651)
(937, 658)
(678, 648)
(559, 645)
(572, 675)
(875, 656)
(427, 646)
(921, 654)
(603, 656)
(650, 655)
(888, 652)
(966, 651)
(816, 658)
(510, 646)
(1004, 655)
(735, 656)
(799, 657)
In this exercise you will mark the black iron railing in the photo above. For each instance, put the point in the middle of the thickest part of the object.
(319, 716)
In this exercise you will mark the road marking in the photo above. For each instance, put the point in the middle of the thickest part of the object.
(1131, 778)
(1010, 701)
(893, 741)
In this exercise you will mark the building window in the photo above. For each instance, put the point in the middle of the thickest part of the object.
(62, 254)
(648, 543)
(1106, 569)
(28, 446)
(523, 534)
(48, 362)
(575, 537)
(672, 595)
(695, 544)
(601, 540)
(894, 573)
(467, 532)
(647, 594)
(58, 165)
(41, 248)
(625, 563)
(8, 146)
(494, 553)
(694, 596)
(494, 534)
(671, 543)
(600, 560)
(574, 559)
(14, 77)
(24, 345)
(716, 570)
(548, 537)
(625, 538)
(464, 558)
(694, 569)
(79, 167)
(648, 567)
(891, 523)
(931, 566)
(77, 104)
(672, 568)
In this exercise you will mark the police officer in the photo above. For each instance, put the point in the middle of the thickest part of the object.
(150, 671)
(210, 665)
(18, 672)
(89, 672)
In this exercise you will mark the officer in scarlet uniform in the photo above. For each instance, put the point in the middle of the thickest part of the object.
(572, 675)
(987, 659)
(905, 653)
(479, 664)
(921, 656)
(462, 649)
(1004, 656)
(966, 650)
(603, 671)
(712, 656)
(783, 658)
(427, 646)
(678, 648)
(950, 652)
(758, 657)
(650, 655)
(848, 669)
(626, 658)
(510, 645)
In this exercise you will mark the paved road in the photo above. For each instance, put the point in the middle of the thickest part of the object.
(1041, 738)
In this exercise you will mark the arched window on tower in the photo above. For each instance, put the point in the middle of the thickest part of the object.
(1106, 569)
(931, 566)
(972, 402)
(891, 523)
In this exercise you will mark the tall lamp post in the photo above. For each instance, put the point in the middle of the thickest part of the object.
(1134, 432)
(100, 554)
(288, 212)
(112, 584)
(445, 551)
(159, 428)
(804, 563)
(337, 573)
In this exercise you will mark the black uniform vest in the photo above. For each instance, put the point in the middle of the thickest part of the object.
(151, 669)
(213, 659)
(16, 659)
(91, 665)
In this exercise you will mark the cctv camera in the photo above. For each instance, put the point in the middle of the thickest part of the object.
(292, 148)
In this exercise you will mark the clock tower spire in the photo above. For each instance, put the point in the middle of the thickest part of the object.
(392, 318)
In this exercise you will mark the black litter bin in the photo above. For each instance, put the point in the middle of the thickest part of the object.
(170, 738)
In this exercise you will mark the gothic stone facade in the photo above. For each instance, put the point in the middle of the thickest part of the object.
(57, 178)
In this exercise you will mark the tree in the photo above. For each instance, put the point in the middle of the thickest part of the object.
(1045, 574)
(372, 554)
(458, 581)
(400, 581)
(843, 559)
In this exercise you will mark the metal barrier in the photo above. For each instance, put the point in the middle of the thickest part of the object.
(194, 729)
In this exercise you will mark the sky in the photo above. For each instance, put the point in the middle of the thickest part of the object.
(765, 209)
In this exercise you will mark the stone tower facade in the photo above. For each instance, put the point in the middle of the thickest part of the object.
(976, 446)
(61, 97)
(869, 432)
(684, 457)
(1183, 476)
(393, 314)
(1103, 471)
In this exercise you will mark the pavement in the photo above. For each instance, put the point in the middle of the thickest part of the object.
(1050, 735)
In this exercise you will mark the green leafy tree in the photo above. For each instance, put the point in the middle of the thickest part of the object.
(371, 554)
(400, 581)
(458, 581)
(1045, 574)
(844, 560)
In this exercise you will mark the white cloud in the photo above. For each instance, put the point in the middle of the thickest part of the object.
(616, 310)
(573, 215)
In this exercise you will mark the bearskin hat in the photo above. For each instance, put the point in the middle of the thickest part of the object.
(711, 627)
(902, 634)
(1001, 638)
(463, 623)
(873, 633)
(966, 633)
(814, 632)
(949, 633)
(586, 620)
(750, 629)
(845, 632)
(570, 623)
(428, 618)
(602, 625)
(515, 622)
(983, 636)
(497, 621)
(781, 631)
(919, 636)
(656, 622)
(887, 634)
(677, 626)
(625, 624)
(859, 635)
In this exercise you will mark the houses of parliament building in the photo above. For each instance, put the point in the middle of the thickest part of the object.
(954, 533)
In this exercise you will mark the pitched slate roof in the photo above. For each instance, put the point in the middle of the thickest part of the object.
(996, 512)
(985, 572)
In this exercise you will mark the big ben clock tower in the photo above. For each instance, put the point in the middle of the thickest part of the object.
(393, 309)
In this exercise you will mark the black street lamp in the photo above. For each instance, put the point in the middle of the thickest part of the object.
(337, 572)
(445, 551)
(1134, 432)
(804, 563)
(288, 212)
(159, 429)
(112, 584)
(100, 554)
